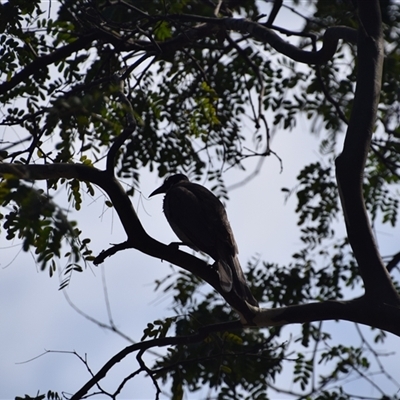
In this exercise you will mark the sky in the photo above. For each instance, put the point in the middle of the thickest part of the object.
(40, 330)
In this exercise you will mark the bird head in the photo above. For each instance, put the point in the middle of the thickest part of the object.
(169, 182)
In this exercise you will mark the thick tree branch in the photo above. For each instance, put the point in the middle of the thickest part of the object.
(260, 32)
(137, 236)
(265, 35)
(351, 163)
(365, 310)
(361, 310)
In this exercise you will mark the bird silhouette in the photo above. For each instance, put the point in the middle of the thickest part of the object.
(200, 221)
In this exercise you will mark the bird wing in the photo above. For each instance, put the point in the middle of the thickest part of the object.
(230, 271)
(199, 219)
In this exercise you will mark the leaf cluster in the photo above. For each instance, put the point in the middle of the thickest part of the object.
(234, 364)
(34, 218)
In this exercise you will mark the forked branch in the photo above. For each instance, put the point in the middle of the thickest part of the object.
(138, 238)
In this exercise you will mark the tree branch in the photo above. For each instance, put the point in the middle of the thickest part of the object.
(260, 32)
(128, 131)
(44, 61)
(208, 27)
(142, 346)
(138, 238)
(364, 310)
(351, 162)
(274, 12)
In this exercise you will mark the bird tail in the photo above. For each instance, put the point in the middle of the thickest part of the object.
(231, 277)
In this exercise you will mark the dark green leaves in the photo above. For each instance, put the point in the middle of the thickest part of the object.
(34, 218)
(318, 202)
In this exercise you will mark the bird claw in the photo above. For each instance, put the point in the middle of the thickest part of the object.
(175, 245)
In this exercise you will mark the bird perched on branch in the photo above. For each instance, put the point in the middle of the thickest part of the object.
(199, 220)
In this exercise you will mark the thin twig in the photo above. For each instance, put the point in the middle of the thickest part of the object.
(145, 368)
(324, 89)
(274, 12)
(119, 141)
(393, 262)
(125, 380)
(94, 320)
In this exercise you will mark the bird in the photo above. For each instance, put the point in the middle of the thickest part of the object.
(200, 221)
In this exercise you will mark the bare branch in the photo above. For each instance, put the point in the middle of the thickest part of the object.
(110, 327)
(145, 368)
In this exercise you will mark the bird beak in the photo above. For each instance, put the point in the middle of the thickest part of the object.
(159, 190)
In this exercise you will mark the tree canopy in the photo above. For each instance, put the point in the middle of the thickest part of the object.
(99, 92)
